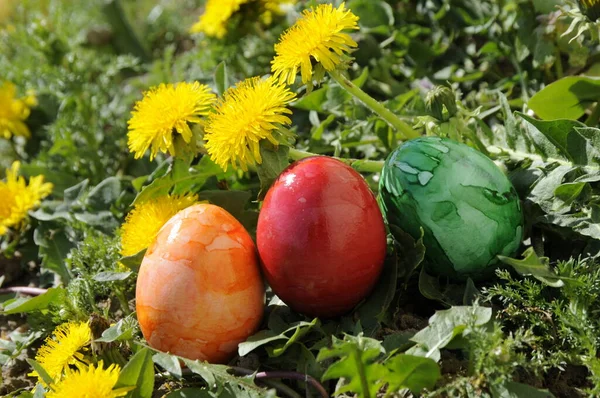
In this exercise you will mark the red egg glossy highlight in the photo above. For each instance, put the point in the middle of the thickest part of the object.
(321, 237)
(199, 291)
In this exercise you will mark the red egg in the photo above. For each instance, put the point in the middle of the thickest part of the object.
(321, 237)
(199, 291)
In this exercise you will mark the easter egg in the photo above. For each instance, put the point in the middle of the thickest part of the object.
(468, 209)
(321, 237)
(199, 292)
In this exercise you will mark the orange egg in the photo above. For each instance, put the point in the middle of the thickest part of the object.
(199, 291)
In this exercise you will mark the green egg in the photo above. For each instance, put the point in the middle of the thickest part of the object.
(468, 209)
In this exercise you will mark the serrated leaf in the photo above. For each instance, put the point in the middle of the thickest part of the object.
(412, 372)
(183, 182)
(444, 326)
(124, 329)
(564, 135)
(538, 267)
(218, 376)
(290, 335)
(54, 246)
(168, 362)
(138, 372)
(103, 195)
(357, 364)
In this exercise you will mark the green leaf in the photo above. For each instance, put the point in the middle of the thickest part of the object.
(374, 309)
(169, 362)
(411, 252)
(125, 329)
(372, 13)
(429, 286)
(190, 181)
(138, 372)
(412, 372)
(570, 191)
(133, 262)
(220, 78)
(103, 195)
(232, 201)
(564, 136)
(444, 326)
(109, 276)
(40, 371)
(274, 161)
(567, 98)
(357, 364)
(263, 337)
(512, 389)
(54, 246)
(538, 267)
(218, 377)
(22, 305)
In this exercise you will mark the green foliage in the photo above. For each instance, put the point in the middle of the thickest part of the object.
(365, 373)
(519, 82)
(560, 320)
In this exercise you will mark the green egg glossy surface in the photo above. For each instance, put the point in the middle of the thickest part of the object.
(467, 207)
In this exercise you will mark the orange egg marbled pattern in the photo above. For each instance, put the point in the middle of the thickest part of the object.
(199, 291)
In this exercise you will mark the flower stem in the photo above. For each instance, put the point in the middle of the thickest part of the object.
(387, 115)
(367, 166)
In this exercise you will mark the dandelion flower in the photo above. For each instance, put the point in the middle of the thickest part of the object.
(147, 218)
(14, 111)
(273, 7)
(89, 382)
(63, 348)
(249, 112)
(318, 35)
(18, 197)
(213, 21)
(162, 112)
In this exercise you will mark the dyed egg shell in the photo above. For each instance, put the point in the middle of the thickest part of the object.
(467, 207)
(199, 291)
(321, 237)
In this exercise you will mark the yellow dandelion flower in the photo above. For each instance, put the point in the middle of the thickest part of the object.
(63, 348)
(164, 110)
(273, 7)
(318, 35)
(18, 197)
(89, 382)
(213, 22)
(217, 13)
(147, 218)
(14, 111)
(249, 112)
